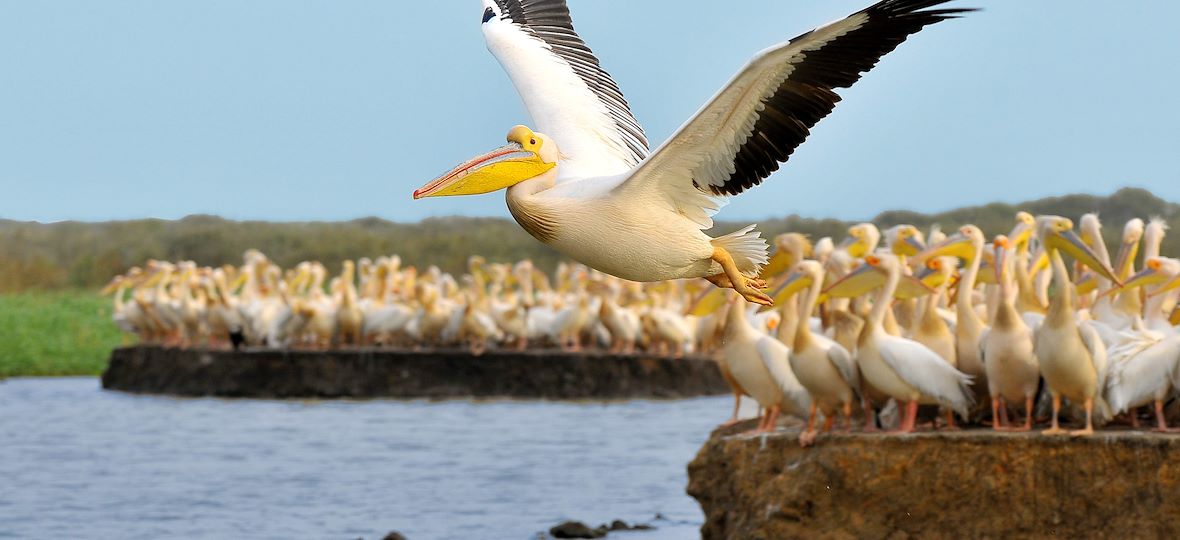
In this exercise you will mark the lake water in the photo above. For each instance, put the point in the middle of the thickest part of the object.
(80, 462)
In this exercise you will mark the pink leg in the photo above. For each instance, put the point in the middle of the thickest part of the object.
(1161, 423)
(996, 414)
(807, 436)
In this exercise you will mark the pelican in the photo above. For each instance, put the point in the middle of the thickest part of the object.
(758, 364)
(822, 366)
(1006, 349)
(584, 182)
(1071, 355)
(904, 369)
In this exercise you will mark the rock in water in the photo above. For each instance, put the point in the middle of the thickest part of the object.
(394, 535)
(971, 484)
(576, 529)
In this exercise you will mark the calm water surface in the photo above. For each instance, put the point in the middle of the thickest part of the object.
(80, 462)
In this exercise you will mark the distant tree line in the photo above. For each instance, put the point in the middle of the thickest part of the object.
(87, 255)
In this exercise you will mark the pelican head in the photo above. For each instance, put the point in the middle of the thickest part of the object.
(937, 271)
(1022, 232)
(805, 274)
(1056, 234)
(1156, 271)
(527, 155)
(1129, 248)
(905, 240)
(862, 239)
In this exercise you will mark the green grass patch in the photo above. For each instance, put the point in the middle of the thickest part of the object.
(48, 333)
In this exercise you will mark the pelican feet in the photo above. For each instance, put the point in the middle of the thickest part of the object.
(732, 278)
(807, 437)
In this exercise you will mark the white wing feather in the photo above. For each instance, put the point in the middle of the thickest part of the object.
(774, 356)
(923, 369)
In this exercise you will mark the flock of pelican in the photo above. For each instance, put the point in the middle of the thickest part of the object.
(957, 323)
(960, 325)
(378, 303)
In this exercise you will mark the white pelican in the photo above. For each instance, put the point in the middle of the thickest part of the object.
(1071, 355)
(968, 245)
(758, 364)
(602, 200)
(822, 366)
(1006, 349)
(904, 369)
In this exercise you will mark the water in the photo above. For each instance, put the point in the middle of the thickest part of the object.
(80, 462)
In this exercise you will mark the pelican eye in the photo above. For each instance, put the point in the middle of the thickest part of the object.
(532, 141)
(488, 14)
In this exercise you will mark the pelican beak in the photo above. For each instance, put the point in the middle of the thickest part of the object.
(1170, 286)
(1126, 258)
(910, 287)
(1147, 276)
(501, 168)
(1021, 235)
(1088, 284)
(914, 246)
(930, 277)
(1069, 242)
(1040, 264)
(1001, 257)
(708, 302)
(795, 282)
(987, 271)
(956, 246)
(860, 281)
(779, 262)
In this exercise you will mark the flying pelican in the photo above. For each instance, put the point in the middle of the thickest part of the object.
(587, 185)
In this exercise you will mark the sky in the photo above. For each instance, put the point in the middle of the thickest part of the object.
(333, 110)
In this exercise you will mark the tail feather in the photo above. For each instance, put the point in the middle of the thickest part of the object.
(748, 249)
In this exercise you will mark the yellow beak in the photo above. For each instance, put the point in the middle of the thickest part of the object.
(932, 278)
(956, 246)
(1171, 286)
(858, 282)
(1126, 259)
(1088, 284)
(795, 282)
(708, 302)
(866, 278)
(909, 247)
(1147, 276)
(1069, 242)
(779, 263)
(1021, 235)
(501, 168)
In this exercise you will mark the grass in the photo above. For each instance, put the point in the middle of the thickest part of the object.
(55, 333)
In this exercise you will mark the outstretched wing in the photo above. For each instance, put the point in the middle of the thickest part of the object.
(567, 93)
(755, 123)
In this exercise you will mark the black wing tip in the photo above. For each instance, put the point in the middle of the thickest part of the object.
(895, 8)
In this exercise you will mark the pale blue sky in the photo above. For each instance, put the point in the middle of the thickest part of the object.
(294, 110)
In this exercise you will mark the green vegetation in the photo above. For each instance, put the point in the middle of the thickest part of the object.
(50, 324)
(65, 332)
(86, 255)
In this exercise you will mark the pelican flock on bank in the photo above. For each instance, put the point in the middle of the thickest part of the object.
(859, 328)
(586, 184)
